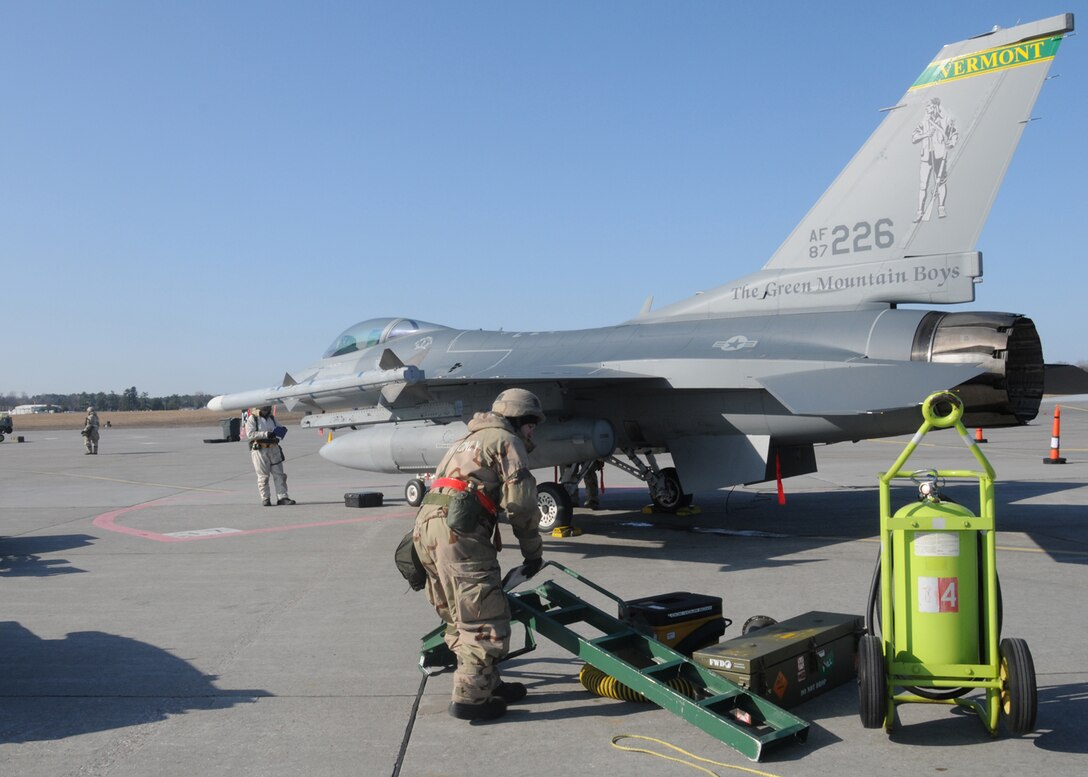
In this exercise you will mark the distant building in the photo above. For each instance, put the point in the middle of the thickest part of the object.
(30, 409)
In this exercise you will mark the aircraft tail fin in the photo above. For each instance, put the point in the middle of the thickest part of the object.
(925, 180)
(901, 221)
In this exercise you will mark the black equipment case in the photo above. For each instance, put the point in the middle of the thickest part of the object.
(683, 621)
(363, 499)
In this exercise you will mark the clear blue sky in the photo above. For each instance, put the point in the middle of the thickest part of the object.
(198, 196)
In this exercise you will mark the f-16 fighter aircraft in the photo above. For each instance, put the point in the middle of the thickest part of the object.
(739, 383)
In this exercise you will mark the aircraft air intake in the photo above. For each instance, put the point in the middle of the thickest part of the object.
(1006, 345)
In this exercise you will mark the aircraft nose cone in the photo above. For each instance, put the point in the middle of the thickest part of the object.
(216, 404)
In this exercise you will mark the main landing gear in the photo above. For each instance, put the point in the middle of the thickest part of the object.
(666, 492)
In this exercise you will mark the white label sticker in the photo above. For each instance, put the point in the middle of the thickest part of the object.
(937, 543)
(928, 600)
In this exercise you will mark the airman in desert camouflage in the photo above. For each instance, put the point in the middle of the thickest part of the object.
(456, 537)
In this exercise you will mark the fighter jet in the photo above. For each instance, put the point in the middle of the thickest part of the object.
(740, 383)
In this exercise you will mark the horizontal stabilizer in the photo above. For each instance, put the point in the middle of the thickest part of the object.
(864, 387)
(1065, 379)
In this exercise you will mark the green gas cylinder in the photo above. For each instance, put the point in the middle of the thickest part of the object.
(936, 584)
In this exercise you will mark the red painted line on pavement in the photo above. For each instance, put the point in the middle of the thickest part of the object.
(108, 521)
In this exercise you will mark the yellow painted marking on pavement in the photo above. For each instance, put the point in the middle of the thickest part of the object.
(1012, 549)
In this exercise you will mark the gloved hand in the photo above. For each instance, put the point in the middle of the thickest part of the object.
(531, 567)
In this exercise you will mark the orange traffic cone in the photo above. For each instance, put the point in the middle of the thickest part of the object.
(979, 439)
(1055, 439)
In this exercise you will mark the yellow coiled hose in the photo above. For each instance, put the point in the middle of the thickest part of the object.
(596, 681)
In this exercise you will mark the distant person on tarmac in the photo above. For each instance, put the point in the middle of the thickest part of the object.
(593, 498)
(90, 432)
(264, 436)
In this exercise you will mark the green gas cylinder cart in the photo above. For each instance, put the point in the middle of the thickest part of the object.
(937, 602)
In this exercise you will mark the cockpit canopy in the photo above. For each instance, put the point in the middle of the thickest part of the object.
(375, 331)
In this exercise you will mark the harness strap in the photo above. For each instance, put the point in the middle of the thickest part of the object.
(461, 485)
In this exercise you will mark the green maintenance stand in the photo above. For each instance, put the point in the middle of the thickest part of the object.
(939, 611)
(748, 723)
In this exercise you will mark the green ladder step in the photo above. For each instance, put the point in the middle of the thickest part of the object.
(745, 721)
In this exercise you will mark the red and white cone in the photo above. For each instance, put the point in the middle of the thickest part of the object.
(1055, 439)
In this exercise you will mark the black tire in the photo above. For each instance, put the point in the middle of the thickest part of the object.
(1019, 696)
(1, 438)
(672, 497)
(414, 491)
(556, 506)
(872, 702)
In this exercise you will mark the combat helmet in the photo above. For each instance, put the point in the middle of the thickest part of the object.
(518, 403)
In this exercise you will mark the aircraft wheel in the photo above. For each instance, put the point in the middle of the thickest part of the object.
(556, 507)
(1, 438)
(414, 491)
(1019, 696)
(670, 497)
(872, 703)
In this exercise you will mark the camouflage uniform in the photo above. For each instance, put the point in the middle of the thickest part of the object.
(463, 579)
(90, 431)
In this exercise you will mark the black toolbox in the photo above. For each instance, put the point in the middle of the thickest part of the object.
(791, 661)
(363, 499)
(684, 621)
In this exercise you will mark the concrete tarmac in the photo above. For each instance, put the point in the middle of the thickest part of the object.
(156, 620)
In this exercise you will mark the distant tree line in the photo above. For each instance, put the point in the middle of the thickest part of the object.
(129, 399)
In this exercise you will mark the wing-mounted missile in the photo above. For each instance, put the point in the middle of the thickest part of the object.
(291, 402)
(385, 384)
(412, 389)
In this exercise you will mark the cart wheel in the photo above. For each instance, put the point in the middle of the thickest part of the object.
(556, 506)
(872, 703)
(414, 491)
(1019, 696)
(755, 623)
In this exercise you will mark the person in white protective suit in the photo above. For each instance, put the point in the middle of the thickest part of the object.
(264, 436)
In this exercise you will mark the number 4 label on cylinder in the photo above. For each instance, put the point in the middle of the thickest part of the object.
(938, 594)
